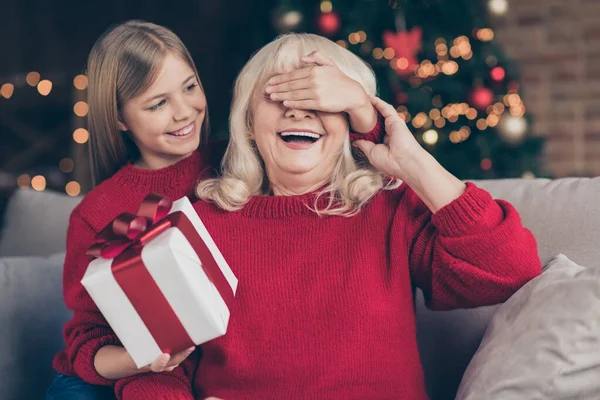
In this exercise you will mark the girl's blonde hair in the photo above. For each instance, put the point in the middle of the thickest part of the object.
(124, 63)
(243, 174)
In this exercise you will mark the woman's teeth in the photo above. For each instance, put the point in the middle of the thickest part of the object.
(299, 136)
(307, 134)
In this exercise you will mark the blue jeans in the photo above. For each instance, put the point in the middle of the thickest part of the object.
(65, 387)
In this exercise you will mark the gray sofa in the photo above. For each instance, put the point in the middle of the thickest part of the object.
(563, 214)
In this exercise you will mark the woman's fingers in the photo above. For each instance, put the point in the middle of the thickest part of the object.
(299, 84)
(316, 57)
(385, 109)
(290, 76)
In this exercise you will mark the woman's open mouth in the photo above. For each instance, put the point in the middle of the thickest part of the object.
(299, 140)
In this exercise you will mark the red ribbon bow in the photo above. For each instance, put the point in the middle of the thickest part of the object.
(127, 229)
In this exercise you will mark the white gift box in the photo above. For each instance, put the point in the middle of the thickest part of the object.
(175, 267)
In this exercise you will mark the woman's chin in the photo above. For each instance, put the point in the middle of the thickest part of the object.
(300, 167)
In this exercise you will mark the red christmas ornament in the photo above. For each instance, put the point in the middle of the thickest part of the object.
(329, 23)
(401, 97)
(481, 98)
(406, 45)
(498, 74)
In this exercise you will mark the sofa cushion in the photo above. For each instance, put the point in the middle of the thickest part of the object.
(35, 223)
(544, 342)
(563, 214)
(32, 314)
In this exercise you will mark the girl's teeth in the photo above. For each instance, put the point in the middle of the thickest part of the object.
(184, 131)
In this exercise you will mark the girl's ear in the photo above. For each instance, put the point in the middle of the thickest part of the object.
(121, 124)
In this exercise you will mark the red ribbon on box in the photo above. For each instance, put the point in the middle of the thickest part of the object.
(123, 240)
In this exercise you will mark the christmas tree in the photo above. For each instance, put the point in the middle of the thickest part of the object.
(438, 63)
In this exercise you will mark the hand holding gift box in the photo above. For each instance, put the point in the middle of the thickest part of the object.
(160, 281)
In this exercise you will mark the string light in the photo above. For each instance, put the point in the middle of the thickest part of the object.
(491, 61)
(362, 36)
(24, 181)
(342, 43)
(44, 87)
(441, 49)
(528, 175)
(403, 113)
(461, 135)
(419, 120)
(80, 82)
(326, 6)
(497, 74)
(290, 20)
(512, 129)
(402, 63)
(32, 78)
(405, 116)
(426, 69)
(481, 124)
(430, 137)
(366, 47)
(492, 120)
(354, 38)
(38, 183)
(498, 7)
(454, 137)
(7, 90)
(486, 164)
(73, 188)
(464, 133)
(446, 112)
(485, 34)
(378, 53)
(434, 114)
(464, 47)
(514, 100)
(517, 111)
(81, 135)
(389, 53)
(471, 113)
(440, 123)
(80, 108)
(450, 68)
(66, 165)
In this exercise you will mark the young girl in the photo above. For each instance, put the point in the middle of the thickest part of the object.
(148, 120)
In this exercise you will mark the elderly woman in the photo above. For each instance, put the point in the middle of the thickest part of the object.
(328, 251)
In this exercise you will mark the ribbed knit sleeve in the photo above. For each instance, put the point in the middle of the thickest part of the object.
(472, 252)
